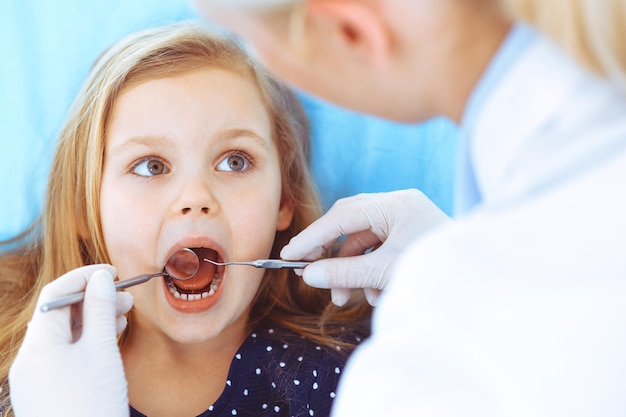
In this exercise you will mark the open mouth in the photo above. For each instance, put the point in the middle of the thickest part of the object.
(204, 283)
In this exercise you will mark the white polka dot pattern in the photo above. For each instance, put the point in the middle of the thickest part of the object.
(276, 373)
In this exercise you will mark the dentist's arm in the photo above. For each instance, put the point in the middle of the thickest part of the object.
(387, 222)
(69, 363)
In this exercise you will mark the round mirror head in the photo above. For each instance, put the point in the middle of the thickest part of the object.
(183, 264)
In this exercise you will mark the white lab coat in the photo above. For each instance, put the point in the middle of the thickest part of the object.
(519, 308)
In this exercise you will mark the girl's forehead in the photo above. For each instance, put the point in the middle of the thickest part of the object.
(142, 73)
(209, 82)
(211, 100)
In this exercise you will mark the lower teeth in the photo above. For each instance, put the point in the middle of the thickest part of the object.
(194, 296)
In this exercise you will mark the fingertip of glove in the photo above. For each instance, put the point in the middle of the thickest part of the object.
(315, 275)
(101, 283)
(91, 269)
(294, 250)
(371, 295)
(340, 296)
(286, 252)
(124, 302)
(120, 324)
(106, 272)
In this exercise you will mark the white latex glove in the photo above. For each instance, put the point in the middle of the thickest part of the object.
(387, 222)
(69, 363)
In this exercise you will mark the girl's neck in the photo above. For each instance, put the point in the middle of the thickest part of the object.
(169, 378)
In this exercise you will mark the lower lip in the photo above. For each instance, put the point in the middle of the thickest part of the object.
(194, 306)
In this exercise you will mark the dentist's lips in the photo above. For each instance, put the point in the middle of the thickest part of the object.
(204, 283)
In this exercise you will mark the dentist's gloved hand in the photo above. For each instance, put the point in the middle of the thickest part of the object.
(69, 363)
(386, 222)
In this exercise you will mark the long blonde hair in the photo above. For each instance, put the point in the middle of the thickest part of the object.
(70, 233)
(592, 31)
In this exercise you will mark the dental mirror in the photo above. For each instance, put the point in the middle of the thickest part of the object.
(181, 266)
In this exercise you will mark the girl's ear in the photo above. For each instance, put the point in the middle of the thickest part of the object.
(351, 28)
(285, 216)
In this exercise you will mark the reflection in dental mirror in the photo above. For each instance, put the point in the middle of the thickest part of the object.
(183, 264)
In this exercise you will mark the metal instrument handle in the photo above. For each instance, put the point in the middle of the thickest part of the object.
(75, 298)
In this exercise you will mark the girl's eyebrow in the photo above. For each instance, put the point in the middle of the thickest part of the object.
(230, 134)
(160, 141)
(139, 141)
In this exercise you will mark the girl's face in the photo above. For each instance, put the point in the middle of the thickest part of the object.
(190, 162)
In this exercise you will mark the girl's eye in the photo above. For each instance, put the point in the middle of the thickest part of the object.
(150, 167)
(234, 162)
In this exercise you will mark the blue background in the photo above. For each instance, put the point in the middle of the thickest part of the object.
(47, 47)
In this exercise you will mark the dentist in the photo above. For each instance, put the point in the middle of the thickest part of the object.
(517, 306)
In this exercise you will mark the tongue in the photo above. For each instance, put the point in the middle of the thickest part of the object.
(205, 274)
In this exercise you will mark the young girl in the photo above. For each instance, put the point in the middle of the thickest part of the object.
(179, 140)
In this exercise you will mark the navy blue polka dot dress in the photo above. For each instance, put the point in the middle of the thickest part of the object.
(277, 374)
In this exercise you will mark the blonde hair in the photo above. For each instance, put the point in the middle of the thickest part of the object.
(592, 31)
(70, 234)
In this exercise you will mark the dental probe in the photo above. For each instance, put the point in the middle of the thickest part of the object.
(264, 263)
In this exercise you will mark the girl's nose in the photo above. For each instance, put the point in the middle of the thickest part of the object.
(196, 198)
(186, 210)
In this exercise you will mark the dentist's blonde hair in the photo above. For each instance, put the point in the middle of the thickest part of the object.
(592, 31)
(69, 234)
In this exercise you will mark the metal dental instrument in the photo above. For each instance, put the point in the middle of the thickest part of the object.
(264, 263)
(181, 266)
